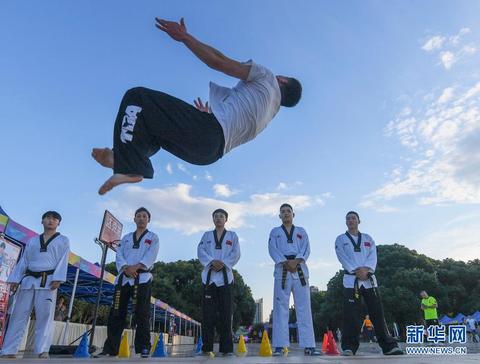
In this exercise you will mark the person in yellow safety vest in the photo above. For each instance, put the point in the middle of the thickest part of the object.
(429, 306)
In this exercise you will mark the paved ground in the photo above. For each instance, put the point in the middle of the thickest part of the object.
(368, 353)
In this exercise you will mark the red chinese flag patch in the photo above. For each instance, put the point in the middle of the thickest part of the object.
(229, 242)
(148, 241)
(299, 236)
(367, 243)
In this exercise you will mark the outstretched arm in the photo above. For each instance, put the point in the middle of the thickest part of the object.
(207, 54)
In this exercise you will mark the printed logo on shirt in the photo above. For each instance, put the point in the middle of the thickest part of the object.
(299, 236)
(229, 242)
(209, 242)
(367, 243)
(148, 241)
(128, 123)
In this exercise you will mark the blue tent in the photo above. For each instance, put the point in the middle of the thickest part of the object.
(445, 320)
(476, 316)
(459, 318)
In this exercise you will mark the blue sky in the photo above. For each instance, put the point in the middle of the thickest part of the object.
(388, 125)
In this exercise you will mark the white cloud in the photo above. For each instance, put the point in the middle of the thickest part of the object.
(169, 168)
(433, 43)
(282, 186)
(444, 141)
(448, 59)
(446, 95)
(181, 167)
(208, 176)
(222, 190)
(450, 49)
(458, 239)
(176, 208)
(455, 39)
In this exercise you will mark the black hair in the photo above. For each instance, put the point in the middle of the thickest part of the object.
(353, 212)
(286, 205)
(143, 209)
(53, 214)
(291, 92)
(221, 211)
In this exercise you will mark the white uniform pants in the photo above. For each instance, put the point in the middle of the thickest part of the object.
(44, 301)
(301, 298)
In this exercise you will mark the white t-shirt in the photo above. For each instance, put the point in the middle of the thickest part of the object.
(246, 109)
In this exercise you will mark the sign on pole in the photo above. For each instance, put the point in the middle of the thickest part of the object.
(111, 230)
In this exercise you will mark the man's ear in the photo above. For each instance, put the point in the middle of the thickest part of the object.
(293, 214)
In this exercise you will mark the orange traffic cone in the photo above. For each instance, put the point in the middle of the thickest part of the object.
(332, 345)
(325, 343)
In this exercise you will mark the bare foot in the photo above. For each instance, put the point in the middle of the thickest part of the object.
(118, 179)
(103, 156)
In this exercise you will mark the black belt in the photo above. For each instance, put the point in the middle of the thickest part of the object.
(44, 275)
(225, 277)
(118, 288)
(355, 284)
(301, 275)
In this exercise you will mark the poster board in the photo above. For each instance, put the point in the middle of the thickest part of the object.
(9, 253)
(111, 230)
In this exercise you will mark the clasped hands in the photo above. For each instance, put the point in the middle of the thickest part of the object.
(362, 273)
(291, 265)
(131, 270)
(217, 265)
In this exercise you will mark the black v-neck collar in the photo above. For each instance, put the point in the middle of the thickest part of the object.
(136, 243)
(289, 236)
(218, 242)
(44, 244)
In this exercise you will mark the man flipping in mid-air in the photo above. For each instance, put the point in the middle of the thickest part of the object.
(149, 120)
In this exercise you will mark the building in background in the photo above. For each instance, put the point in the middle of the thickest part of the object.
(258, 311)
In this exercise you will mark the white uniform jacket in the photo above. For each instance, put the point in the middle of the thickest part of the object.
(227, 250)
(53, 257)
(351, 259)
(280, 246)
(131, 252)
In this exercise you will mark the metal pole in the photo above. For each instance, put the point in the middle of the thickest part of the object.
(99, 293)
(70, 306)
(153, 321)
(165, 324)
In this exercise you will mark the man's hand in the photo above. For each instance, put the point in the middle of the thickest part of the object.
(177, 31)
(362, 273)
(292, 268)
(200, 106)
(293, 264)
(217, 265)
(13, 287)
(131, 271)
(54, 285)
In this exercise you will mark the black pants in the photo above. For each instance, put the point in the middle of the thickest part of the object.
(116, 321)
(217, 311)
(431, 322)
(149, 120)
(352, 319)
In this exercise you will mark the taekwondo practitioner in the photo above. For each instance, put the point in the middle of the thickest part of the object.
(218, 252)
(149, 120)
(357, 253)
(35, 280)
(136, 255)
(289, 248)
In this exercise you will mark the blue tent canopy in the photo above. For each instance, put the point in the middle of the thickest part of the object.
(445, 320)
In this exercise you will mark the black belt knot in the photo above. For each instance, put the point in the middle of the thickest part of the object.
(44, 275)
(301, 275)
